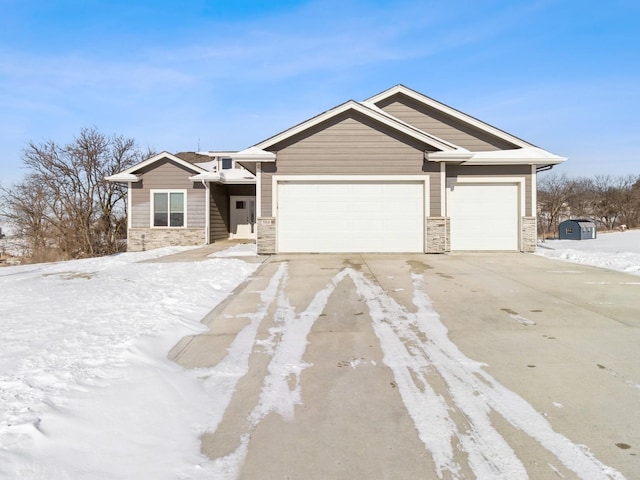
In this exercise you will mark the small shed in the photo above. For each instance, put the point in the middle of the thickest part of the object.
(577, 229)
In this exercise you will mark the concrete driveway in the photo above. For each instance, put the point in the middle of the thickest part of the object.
(419, 366)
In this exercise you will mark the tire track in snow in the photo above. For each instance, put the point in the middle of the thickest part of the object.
(287, 344)
(221, 380)
(412, 345)
(411, 342)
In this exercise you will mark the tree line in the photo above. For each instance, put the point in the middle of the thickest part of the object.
(64, 208)
(612, 202)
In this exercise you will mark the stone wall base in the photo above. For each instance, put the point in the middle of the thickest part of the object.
(529, 234)
(140, 239)
(266, 238)
(437, 235)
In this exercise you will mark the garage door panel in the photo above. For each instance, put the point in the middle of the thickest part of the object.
(484, 216)
(350, 217)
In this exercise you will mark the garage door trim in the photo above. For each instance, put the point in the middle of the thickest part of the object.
(475, 180)
(422, 180)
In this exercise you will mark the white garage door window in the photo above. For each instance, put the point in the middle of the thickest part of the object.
(335, 216)
(484, 216)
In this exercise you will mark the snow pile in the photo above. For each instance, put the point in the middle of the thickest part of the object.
(84, 347)
(615, 251)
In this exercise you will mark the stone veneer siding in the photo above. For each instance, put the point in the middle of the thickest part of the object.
(163, 237)
(529, 234)
(266, 241)
(438, 232)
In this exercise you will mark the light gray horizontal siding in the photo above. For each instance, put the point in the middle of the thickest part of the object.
(266, 176)
(441, 125)
(498, 171)
(167, 175)
(349, 144)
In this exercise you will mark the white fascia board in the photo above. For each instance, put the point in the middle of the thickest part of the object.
(365, 110)
(514, 161)
(520, 156)
(253, 154)
(211, 177)
(205, 177)
(123, 178)
(158, 157)
(454, 157)
(238, 181)
(449, 111)
(215, 154)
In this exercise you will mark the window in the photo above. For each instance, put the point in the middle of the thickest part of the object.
(240, 205)
(569, 229)
(168, 208)
(227, 163)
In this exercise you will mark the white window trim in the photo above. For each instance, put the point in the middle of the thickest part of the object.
(275, 179)
(167, 190)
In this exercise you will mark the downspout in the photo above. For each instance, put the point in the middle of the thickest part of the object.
(258, 190)
(207, 214)
(129, 212)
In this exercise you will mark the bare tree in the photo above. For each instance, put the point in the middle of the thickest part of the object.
(628, 199)
(582, 198)
(614, 199)
(26, 207)
(554, 193)
(65, 204)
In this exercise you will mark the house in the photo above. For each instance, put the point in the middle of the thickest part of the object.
(188, 199)
(577, 229)
(398, 172)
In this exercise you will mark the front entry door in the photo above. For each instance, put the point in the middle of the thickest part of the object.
(243, 217)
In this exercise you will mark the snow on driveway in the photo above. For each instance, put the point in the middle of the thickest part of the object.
(84, 377)
(412, 344)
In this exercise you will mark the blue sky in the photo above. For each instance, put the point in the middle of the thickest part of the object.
(216, 75)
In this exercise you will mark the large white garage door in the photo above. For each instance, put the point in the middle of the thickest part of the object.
(350, 216)
(484, 216)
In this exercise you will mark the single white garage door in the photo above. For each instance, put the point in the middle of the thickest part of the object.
(484, 216)
(350, 216)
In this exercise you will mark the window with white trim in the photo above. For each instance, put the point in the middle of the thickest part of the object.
(226, 163)
(169, 208)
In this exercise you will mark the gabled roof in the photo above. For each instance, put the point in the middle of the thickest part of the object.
(452, 112)
(370, 111)
(129, 175)
(193, 157)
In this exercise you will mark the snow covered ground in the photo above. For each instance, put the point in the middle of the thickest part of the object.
(616, 251)
(86, 390)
